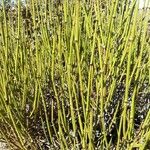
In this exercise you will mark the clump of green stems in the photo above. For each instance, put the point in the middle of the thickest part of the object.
(60, 66)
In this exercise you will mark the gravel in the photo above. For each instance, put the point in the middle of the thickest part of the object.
(3, 146)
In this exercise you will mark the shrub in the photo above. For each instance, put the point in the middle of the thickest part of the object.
(74, 75)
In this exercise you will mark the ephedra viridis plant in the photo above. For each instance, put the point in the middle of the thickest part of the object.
(75, 74)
